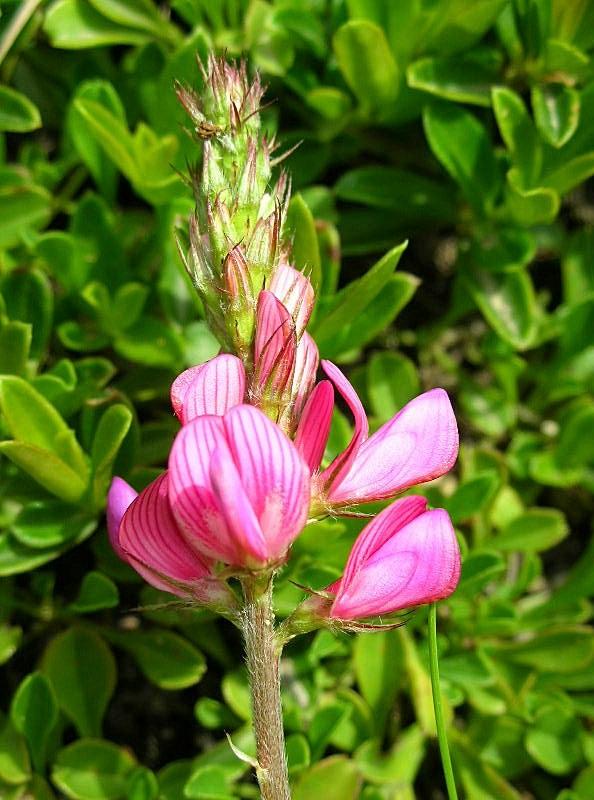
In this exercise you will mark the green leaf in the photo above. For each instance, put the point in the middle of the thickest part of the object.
(298, 753)
(34, 713)
(208, 783)
(10, 638)
(141, 15)
(530, 207)
(92, 769)
(323, 724)
(28, 295)
(368, 66)
(151, 342)
(575, 447)
(479, 568)
(15, 766)
(503, 250)
(51, 523)
(300, 229)
(535, 530)
(392, 380)
(76, 25)
(142, 785)
(508, 303)
(472, 496)
(165, 658)
(480, 780)
(556, 112)
(97, 592)
(553, 740)
(112, 133)
(460, 143)
(15, 341)
(33, 421)
(214, 715)
(397, 190)
(563, 650)
(400, 764)
(378, 669)
(519, 134)
(82, 671)
(17, 113)
(111, 432)
(99, 164)
(22, 207)
(48, 470)
(350, 301)
(465, 79)
(334, 778)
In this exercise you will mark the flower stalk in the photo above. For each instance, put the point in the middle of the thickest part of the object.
(263, 659)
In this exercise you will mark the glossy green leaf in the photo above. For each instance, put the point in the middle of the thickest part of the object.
(22, 208)
(334, 778)
(17, 113)
(556, 112)
(464, 79)
(97, 592)
(472, 496)
(92, 769)
(15, 765)
(164, 657)
(459, 141)
(553, 740)
(33, 421)
(368, 66)
(140, 15)
(47, 469)
(10, 638)
(111, 431)
(519, 134)
(82, 672)
(535, 530)
(15, 342)
(76, 25)
(392, 380)
(34, 713)
(142, 785)
(301, 231)
(30, 299)
(208, 783)
(51, 523)
(397, 766)
(379, 673)
(561, 650)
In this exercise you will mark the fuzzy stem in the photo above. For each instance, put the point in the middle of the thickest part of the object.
(263, 657)
(442, 736)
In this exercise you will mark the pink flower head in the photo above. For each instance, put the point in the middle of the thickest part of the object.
(406, 556)
(210, 388)
(144, 534)
(418, 444)
(238, 489)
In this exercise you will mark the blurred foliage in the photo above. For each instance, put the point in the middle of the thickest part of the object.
(467, 128)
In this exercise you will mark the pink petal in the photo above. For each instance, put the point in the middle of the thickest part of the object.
(237, 510)
(210, 388)
(191, 493)
(419, 444)
(314, 426)
(295, 292)
(338, 469)
(154, 546)
(304, 375)
(418, 563)
(274, 477)
(275, 342)
(119, 497)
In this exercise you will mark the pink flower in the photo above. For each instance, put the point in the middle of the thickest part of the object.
(406, 556)
(210, 388)
(143, 533)
(238, 489)
(418, 444)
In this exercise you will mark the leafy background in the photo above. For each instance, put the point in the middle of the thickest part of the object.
(467, 128)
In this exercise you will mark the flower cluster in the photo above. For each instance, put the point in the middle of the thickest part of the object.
(246, 471)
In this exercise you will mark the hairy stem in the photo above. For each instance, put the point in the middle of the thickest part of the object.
(442, 737)
(263, 656)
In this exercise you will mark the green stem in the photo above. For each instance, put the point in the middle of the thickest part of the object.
(442, 737)
(263, 657)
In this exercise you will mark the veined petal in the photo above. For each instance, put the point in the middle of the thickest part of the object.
(419, 444)
(334, 474)
(419, 563)
(119, 498)
(275, 343)
(210, 388)
(154, 546)
(314, 425)
(295, 292)
(237, 510)
(304, 375)
(193, 501)
(275, 478)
